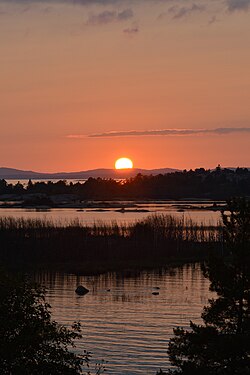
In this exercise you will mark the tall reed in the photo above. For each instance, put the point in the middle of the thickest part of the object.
(155, 237)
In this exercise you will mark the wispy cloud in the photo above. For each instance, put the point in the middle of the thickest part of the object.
(84, 2)
(234, 5)
(109, 16)
(76, 136)
(212, 20)
(181, 12)
(131, 31)
(162, 132)
(178, 8)
(73, 2)
(231, 4)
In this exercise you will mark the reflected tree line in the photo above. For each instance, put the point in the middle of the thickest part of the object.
(214, 184)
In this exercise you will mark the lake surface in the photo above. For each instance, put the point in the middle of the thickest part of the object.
(131, 214)
(123, 322)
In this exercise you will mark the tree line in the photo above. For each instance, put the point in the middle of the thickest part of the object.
(199, 183)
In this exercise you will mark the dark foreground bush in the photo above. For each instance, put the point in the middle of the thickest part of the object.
(30, 341)
(221, 346)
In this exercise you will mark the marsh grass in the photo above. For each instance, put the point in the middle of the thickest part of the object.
(155, 239)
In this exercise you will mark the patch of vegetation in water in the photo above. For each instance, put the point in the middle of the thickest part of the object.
(148, 243)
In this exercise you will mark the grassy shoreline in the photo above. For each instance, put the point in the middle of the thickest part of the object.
(156, 241)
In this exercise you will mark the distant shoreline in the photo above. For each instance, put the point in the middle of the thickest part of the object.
(199, 185)
(115, 205)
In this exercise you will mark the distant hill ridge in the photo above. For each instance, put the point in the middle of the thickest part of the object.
(15, 174)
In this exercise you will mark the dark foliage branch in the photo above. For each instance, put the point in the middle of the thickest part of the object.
(221, 346)
(30, 341)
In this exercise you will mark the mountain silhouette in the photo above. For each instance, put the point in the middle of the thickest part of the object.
(15, 174)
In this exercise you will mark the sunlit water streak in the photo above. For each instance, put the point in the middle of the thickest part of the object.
(128, 326)
(90, 216)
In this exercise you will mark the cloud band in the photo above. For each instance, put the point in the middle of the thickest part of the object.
(163, 132)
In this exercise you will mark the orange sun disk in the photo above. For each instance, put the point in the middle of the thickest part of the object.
(123, 163)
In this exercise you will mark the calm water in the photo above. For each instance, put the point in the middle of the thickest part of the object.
(90, 216)
(128, 326)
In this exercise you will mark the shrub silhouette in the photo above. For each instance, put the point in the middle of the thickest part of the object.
(30, 341)
(222, 345)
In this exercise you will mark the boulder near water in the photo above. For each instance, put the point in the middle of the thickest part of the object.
(81, 290)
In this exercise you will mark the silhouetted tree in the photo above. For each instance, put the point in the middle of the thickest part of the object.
(30, 185)
(222, 345)
(30, 342)
(3, 186)
(18, 188)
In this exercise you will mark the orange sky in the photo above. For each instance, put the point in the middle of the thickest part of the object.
(72, 71)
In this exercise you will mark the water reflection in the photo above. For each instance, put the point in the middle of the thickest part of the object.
(61, 215)
(123, 322)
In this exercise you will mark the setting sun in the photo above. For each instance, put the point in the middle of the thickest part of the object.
(123, 163)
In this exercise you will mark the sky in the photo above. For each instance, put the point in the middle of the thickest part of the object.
(163, 82)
